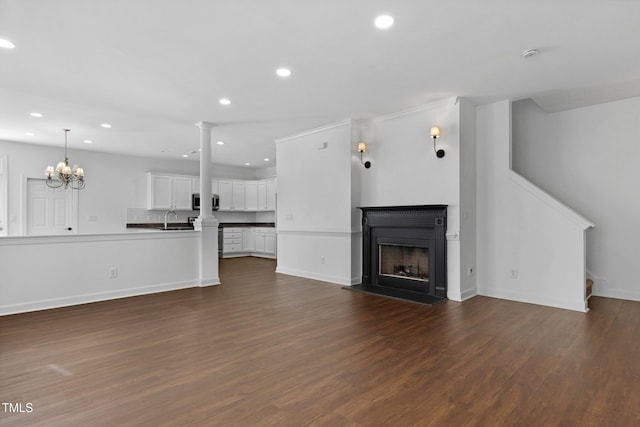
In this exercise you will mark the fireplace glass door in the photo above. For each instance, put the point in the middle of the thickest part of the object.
(398, 262)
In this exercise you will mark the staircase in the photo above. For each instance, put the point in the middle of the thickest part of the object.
(589, 289)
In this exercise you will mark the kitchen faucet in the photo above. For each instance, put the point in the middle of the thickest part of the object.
(167, 213)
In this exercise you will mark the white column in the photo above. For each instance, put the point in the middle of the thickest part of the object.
(206, 223)
(205, 169)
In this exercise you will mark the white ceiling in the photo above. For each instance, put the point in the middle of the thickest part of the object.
(153, 68)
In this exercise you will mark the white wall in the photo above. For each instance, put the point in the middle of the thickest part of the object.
(406, 171)
(468, 285)
(3, 195)
(319, 231)
(588, 157)
(315, 206)
(75, 269)
(521, 229)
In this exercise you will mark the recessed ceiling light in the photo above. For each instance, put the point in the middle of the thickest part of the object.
(247, 164)
(185, 155)
(220, 143)
(106, 125)
(266, 160)
(383, 21)
(35, 114)
(225, 101)
(29, 133)
(6, 44)
(283, 72)
(88, 141)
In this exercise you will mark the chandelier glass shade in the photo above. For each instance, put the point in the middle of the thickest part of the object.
(63, 174)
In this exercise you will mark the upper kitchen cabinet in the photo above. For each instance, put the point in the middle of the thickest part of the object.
(259, 195)
(247, 196)
(267, 195)
(251, 195)
(239, 200)
(232, 195)
(169, 191)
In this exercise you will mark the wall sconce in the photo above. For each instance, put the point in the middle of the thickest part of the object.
(435, 134)
(362, 147)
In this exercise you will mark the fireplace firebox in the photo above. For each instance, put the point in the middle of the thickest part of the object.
(404, 248)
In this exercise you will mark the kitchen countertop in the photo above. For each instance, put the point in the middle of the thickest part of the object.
(246, 224)
(179, 226)
(186, 226)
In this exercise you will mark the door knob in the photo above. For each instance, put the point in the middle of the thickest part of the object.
(69, 229)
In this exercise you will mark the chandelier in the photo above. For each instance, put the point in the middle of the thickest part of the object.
(63, 174)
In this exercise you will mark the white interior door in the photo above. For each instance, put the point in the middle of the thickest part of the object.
(49, 210)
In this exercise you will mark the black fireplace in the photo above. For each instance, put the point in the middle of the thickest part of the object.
(404, 248)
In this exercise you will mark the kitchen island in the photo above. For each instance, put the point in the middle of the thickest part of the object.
(41, 272)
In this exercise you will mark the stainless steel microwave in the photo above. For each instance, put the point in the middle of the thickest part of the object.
(195, 202)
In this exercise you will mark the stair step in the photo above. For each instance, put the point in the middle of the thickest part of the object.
(589, 287)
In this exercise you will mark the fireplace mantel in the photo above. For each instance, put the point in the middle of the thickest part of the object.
(414, 226)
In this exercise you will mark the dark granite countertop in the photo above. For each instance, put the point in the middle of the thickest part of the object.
(185, 225)
(246, 224)
(157, 225)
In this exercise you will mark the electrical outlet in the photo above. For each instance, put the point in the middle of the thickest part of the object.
(113, 272)
(514, 274)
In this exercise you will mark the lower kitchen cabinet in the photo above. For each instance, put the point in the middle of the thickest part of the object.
(231, 241)
(266, 240)
(249, 241)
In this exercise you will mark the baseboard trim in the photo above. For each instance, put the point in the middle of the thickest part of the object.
(315, 276)
(214, 281)
(468, 294)
(95, 297)
(533, 299)
(616, 293)
(462, 296)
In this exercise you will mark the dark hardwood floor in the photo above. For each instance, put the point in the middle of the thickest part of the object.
(265, 349)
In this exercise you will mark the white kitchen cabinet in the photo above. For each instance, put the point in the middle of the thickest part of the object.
(232, 195)
(271, 195)
(214, 187)
(182, 193)
(265, 240)
(225, 191)
(231, 241)
(159, 189)
(248, 239)
(251, 196)
(239, 190)
(168, 191)
(270, 243)
(267, 195)
(259, 242)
